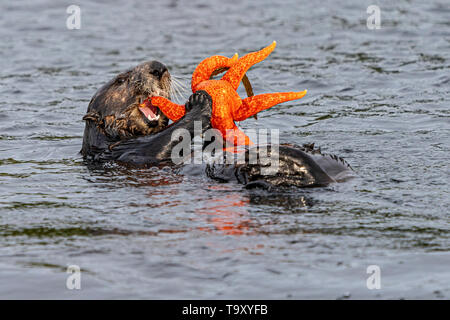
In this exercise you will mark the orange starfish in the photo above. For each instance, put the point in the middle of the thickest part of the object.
(227, 105)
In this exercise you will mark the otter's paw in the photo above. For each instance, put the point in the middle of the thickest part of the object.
(201, 100)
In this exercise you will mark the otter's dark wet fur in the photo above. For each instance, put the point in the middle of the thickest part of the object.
(300, 166)
(117, 130)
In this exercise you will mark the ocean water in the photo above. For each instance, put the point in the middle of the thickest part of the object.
(379, 98)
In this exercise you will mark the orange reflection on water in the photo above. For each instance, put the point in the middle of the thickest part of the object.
(227, 214)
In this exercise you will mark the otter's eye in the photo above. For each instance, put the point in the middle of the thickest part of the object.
(120, 80)
(156, 73)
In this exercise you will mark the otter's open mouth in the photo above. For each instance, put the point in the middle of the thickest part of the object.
(151, 112)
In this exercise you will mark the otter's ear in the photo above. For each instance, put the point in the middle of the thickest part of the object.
(91, 116)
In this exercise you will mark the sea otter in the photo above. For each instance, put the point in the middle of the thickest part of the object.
(120, 128)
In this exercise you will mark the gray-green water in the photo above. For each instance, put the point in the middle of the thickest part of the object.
(378, 98)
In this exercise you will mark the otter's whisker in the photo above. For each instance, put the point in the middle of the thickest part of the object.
(179, 82)
(177, 93)
(177, 86)
(179, 89)
(177, 96)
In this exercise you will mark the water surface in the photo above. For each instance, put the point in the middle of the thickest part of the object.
(378, 98)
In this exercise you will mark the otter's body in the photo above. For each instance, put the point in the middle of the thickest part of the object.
(296, 166)
(119, 127)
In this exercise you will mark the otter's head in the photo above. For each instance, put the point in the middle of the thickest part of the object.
(117, 109)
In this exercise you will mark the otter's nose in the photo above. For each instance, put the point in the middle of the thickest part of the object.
(158, 69)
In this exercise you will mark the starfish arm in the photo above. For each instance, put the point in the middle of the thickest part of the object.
(205, 69)
(236, 137)
(252, 105)
(172, 110)
(230, 132)
(238, 70)
(239, 138)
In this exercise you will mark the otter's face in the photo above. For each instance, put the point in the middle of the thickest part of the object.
(117, 107)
